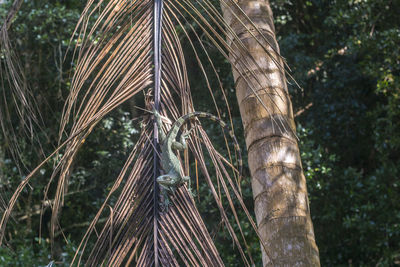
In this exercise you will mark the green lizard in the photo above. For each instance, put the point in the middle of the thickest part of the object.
(170, 163)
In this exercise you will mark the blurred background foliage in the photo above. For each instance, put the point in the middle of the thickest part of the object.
(346, 57)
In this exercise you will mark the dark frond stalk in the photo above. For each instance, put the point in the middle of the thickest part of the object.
(158, 6)
(279, 186)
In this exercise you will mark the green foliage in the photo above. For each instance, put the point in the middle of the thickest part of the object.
(345, 54)
(36, 253)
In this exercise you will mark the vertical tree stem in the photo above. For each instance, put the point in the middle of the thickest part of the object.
(279, 185)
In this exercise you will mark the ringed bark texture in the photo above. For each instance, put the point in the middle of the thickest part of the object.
(279, 186)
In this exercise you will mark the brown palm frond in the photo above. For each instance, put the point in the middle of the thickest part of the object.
(116, 58)
(16, 94)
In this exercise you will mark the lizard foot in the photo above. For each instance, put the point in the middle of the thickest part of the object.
(191, 193)
(186, 135)
(186, 179)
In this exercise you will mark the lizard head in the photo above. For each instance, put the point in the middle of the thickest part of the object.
(165, 180)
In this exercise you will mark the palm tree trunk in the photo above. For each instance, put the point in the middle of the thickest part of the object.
(279, 186)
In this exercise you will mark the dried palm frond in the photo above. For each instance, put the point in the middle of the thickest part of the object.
(126, 47)
(15, 94)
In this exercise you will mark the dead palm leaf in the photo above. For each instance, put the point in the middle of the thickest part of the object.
(126, 47)
(15, 94)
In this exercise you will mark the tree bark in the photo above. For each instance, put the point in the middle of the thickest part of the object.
(279, 186)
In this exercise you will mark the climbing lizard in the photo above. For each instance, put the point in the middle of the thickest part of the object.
(170, 163)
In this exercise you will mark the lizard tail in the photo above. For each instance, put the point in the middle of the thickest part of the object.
(227, 130)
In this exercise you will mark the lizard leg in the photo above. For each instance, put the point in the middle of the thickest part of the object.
(187, 179)
(181, 145)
